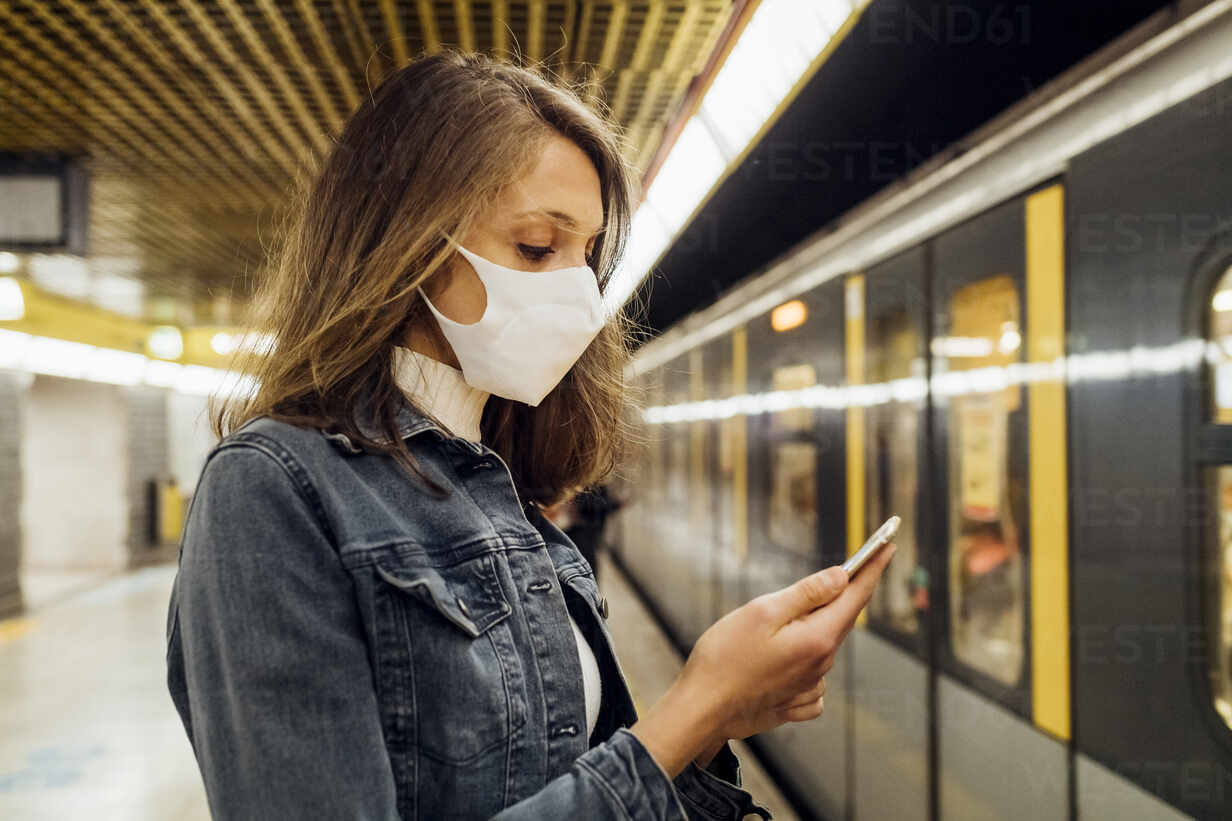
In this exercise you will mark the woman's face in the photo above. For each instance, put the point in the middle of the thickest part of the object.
(547, 220)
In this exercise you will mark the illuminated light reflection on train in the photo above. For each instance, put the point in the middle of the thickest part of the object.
(1085, 367)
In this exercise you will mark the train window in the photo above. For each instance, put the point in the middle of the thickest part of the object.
(793, 494)
(1219, 359)
(986, 572)
(894, 352)
(1219, 356)
(792, 378)
(1221, 600)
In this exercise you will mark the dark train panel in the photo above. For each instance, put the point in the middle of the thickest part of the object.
(1150, 224)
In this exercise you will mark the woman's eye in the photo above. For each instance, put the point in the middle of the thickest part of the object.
(535, 252)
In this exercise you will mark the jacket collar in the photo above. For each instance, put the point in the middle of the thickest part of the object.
(408, 419)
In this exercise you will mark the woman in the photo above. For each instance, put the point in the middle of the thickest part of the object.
(372, 619)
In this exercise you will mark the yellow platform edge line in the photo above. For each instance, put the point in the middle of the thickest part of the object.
(1050, 639)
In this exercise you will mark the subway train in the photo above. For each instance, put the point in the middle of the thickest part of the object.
(1025, 351)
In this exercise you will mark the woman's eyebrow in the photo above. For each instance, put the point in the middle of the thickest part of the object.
(556, 216)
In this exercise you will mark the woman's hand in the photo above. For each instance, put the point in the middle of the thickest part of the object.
(759, 666)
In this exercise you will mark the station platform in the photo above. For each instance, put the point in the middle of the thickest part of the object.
(89, 730)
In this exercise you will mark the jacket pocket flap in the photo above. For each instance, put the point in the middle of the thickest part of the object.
(467, 594)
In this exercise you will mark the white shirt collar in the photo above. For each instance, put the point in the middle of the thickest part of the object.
(441, 391)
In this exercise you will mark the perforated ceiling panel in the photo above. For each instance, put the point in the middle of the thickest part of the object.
(194, 116)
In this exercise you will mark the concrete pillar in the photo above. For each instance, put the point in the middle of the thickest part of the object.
(12, 386)
(75, 473)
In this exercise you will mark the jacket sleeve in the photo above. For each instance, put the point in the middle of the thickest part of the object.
(277, 681)
(619, 779)
(278, 694)
(715, 792)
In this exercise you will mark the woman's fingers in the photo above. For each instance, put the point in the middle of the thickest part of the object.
(805, 698)
(805, 712)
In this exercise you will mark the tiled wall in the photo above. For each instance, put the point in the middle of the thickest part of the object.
(148, 459)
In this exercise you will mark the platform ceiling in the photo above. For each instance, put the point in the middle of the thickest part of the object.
(194, 115)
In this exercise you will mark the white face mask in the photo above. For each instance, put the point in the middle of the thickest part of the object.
(535, 326)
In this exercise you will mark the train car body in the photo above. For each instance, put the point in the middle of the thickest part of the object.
(1025, 352)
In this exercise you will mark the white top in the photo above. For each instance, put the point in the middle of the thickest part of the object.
(442, 391)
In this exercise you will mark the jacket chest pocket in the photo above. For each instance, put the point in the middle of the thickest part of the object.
(448, 669)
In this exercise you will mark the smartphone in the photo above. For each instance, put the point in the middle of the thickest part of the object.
(878, 540)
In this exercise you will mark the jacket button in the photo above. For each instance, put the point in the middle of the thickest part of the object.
(603, 607)
(466, 611)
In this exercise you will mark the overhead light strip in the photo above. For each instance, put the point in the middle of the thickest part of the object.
(47, 356)
(778, 48)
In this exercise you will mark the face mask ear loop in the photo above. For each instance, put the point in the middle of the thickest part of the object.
(453, 245)
(450, 241)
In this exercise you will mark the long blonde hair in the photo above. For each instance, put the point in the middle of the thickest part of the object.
(420, 159)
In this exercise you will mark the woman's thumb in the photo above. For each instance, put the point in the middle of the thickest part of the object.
(811, 592)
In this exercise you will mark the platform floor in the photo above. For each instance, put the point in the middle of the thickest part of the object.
(89, 731)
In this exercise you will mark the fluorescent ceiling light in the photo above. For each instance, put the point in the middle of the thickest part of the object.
(773, 52)
(120, 294)
(12, 303)
(61, 274)
(165, 342)
(43, 355)
(687, 174)
(648, 238)
(223, 343)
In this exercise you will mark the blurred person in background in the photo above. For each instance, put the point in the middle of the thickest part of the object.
(583, 518)
(371, 617)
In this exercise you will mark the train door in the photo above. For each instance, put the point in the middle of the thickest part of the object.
(1002, 643)
(796, 514)
(886, 316)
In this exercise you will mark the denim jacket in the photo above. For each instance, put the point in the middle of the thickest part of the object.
(343, 645)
